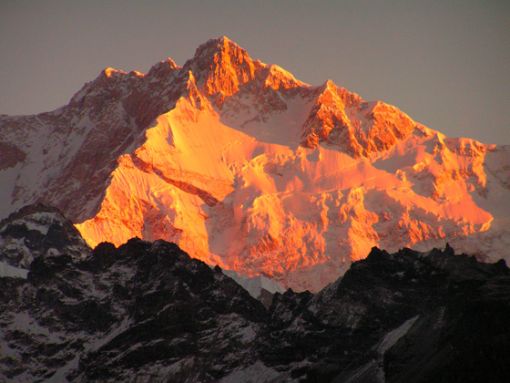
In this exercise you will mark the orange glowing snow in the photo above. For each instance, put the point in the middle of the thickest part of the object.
(260, 173)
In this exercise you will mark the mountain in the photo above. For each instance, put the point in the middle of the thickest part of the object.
(38, 231)
(146, 311)
(148, 301)
(246, 167)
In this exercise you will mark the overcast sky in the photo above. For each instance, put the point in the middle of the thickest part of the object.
(445, 63)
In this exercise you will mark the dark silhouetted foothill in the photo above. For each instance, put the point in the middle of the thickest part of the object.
(147, 311)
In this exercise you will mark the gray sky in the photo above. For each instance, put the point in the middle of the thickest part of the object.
(445, 63)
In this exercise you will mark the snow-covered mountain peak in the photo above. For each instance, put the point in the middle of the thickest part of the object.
(221, 66)
(221, 47)
(360, 128)
(278, 78)
(109, 72)
(247, 167)
(163, 68)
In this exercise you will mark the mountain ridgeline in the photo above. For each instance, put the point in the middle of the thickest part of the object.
(147, 312)
(246, 167)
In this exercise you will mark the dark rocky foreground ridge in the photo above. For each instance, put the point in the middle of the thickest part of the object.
(147, 312)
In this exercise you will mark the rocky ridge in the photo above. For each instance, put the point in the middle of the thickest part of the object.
(148, 312)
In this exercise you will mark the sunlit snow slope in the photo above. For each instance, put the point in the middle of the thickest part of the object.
(244, 166)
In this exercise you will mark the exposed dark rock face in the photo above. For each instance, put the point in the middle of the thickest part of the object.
(403, 317)
(148, 312)
(35, 231)
(139, 311)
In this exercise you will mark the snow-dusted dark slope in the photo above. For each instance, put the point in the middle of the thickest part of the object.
(146, 311)
(247, 167)
(37, 231)
(402, 317)
(140, 311)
